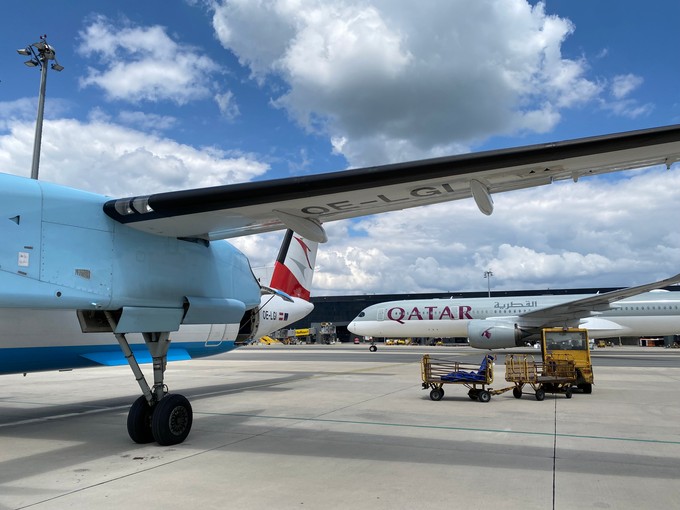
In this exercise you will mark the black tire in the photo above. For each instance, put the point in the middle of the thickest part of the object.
(587, 388)
(372, 348)
(139, 421)
(473, 394)
(437, 394)
(567, 393)
(540, 394)
(172, 419)
(517, 392)
(484, 396)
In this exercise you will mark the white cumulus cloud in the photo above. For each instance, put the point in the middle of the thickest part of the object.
(395, 79)
(111, 159)
(143, 64)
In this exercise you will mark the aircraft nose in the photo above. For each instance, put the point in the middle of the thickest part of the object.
(353, 327)
(302, 309)
(307, 308)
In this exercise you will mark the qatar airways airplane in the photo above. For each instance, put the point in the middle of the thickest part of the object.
(499, 323)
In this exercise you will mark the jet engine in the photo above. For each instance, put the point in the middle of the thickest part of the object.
(488, 334)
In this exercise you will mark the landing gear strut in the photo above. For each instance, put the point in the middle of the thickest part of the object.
(157, 415)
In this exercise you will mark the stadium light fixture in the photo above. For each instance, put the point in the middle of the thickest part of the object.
(488, 274)
(41, 53)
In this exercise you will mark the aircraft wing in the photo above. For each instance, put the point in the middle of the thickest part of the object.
(580, 308)
(304, 203)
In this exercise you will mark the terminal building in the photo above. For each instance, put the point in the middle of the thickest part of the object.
(332, 314)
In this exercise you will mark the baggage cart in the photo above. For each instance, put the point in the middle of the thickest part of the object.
(436, 372)
(557, 374)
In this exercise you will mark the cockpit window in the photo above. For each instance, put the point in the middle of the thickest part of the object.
(362, 314)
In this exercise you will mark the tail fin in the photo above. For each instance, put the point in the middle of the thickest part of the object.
(294, 267)
(292, 276)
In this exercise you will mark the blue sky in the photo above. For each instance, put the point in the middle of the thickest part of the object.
(171, 95)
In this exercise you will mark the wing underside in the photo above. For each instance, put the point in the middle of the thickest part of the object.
(583, 308)
(304, 203)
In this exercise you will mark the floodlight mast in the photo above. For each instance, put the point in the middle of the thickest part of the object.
(41, 53)
(488, 274)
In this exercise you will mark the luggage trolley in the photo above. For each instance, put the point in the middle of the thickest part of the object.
(437, 372)
(555, 374)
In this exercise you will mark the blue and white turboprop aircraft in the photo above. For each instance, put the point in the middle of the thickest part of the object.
(154, 265)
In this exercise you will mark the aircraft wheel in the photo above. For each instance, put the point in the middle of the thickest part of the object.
(372, 348)
(540, 394)
(517, 392)
(484, 396)
(139, 421)
(437, 394)
(172, 419)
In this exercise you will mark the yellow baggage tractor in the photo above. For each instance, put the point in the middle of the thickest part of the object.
(565, 364)
(436, 372)
(572, 344)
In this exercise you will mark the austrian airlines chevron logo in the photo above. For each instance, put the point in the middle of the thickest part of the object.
(305, 249)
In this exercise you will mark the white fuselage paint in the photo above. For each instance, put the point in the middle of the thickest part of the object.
(38, 339)
(650, 314)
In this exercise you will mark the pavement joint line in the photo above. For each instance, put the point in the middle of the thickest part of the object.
(446, 427)
(62, 416)
(398, 390)
(135, 473)
(96, 409)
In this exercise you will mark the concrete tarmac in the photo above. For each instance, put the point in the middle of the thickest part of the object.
(335, 427)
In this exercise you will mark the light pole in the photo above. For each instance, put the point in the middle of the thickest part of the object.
(40, 52)
(488, 274)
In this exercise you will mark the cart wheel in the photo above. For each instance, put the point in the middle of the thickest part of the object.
(437, 394)
(540, 394)
(586, 387)
(517, 392)
(567, 393)
(473, 394)
(484, 396)
(372, 348)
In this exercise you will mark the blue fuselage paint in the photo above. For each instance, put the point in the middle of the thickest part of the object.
(37, 359)
(60, 253)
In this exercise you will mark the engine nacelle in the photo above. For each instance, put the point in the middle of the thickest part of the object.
(487, 334)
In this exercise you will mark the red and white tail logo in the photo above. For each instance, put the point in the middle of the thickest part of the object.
(294, 267)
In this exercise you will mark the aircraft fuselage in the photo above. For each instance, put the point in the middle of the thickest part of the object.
(60, 254)
(654, 313)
